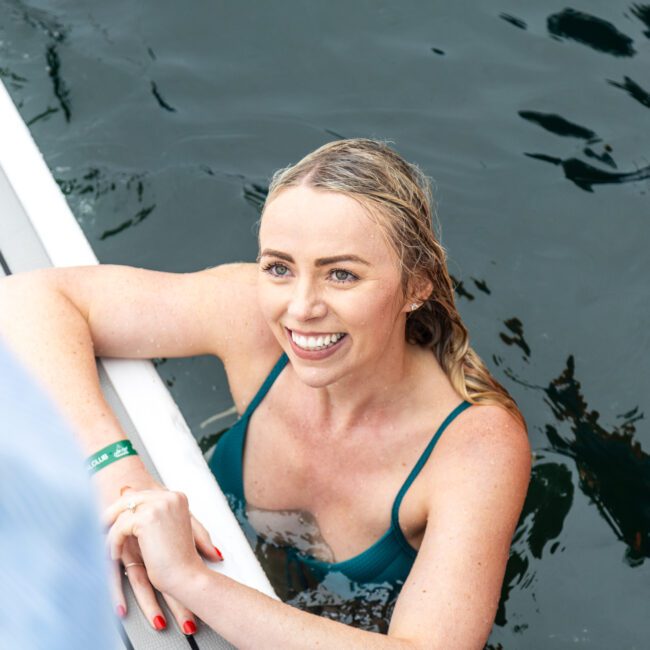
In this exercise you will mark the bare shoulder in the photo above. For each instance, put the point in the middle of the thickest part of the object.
(489, 445)
(485, 427)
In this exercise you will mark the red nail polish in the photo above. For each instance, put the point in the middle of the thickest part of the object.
(121, 611)
(189, 627)
(159, 622)
(218, 553)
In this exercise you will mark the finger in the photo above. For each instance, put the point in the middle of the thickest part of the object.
(130, 498)
(184, 618)
(119, 533)
(122, 504)
(117, 593)
(146, 597)
(130, 553)
(204, 542)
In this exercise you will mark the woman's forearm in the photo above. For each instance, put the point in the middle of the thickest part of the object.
(249, 619)
(52, 338)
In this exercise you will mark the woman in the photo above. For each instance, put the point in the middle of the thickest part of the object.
(346, 355)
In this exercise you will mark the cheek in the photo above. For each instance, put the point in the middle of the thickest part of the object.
(378, 307)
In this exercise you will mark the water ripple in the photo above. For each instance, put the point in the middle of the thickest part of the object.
(589, 30)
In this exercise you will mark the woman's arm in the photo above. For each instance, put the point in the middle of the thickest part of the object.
(451, 595)
(479, 480)
(58, 320)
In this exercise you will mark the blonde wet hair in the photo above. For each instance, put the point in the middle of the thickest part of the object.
(398, 195)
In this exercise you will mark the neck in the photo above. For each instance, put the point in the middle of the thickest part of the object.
(374, 394)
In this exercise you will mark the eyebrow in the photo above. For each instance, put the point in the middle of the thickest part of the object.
(321, 261)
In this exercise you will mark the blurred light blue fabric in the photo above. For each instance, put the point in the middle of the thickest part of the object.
(53, 570)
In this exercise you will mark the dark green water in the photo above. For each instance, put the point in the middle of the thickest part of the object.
(162, 123)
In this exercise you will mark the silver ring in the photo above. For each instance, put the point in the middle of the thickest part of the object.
(131, 505)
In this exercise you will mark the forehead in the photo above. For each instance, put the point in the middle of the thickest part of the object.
(322, 223)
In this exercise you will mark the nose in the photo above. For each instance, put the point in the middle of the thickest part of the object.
(306, 302)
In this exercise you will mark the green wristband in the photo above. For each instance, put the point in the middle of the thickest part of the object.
(110, 454)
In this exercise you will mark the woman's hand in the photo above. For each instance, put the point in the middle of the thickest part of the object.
(164, 523)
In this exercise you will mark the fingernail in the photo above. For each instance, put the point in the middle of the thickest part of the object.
(121, 611)
(218, 552)
(159, 622)
(189, 627)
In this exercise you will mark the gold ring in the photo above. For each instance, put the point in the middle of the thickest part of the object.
(130, 564)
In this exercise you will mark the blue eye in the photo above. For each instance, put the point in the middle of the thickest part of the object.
(277, 270)
(340, 275)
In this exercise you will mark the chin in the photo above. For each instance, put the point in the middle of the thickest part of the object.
(314, 376)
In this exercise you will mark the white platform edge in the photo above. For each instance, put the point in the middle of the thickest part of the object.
(161, 426)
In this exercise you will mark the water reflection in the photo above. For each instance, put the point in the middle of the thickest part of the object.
(368, 606)
(460, 289)
(43, 115)
(159, 98)
(255, 194)
(481, 285)
(12, 79)
(137, 218)
(516, 337)
(513, 20)
(40, 19)
(56, 35)
(59, 87)
(559, 125)
(585, 176)
(84, 192)
(591, 31)
(633, 90)
(549, 499)
(614, 471)
(642, 12)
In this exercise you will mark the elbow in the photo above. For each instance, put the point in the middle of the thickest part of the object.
(33, 295)
(413, 644)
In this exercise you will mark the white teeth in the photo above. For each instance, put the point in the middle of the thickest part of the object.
(315, 342)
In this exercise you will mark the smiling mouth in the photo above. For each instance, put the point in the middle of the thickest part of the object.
(321, 342)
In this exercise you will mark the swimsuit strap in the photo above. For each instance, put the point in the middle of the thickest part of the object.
(264, 388)
(394, 516)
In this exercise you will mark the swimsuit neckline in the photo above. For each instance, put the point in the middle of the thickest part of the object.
(394, 528)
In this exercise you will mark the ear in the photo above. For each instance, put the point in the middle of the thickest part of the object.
(419, 291)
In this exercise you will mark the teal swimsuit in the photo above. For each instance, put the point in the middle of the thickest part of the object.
(389, 559)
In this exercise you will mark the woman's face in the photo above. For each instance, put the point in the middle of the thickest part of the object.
(329, 284)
